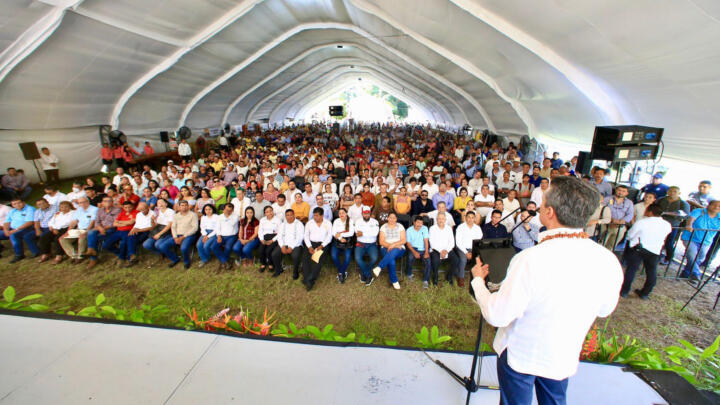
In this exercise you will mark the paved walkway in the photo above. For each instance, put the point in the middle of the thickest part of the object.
(63, 362)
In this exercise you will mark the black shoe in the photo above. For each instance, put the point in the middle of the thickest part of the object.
(308, 286)
(278, 272)
(363, 279)
(186, 265)
(343, 277)
(664, 262)
(261, 269)
(369, 281)
(296, 275)
(625, 295)
(640, 294)
(173, 264)
(16, 259)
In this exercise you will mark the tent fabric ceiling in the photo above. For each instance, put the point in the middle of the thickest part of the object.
(553, 69)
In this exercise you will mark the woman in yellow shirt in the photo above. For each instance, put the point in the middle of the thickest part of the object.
(402, 202)
(461, 202)
(301, 208)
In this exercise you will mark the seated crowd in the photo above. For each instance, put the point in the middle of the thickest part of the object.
(380, 195)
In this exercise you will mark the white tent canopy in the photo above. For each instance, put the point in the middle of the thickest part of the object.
(552, 69)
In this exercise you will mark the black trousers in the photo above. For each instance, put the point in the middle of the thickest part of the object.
(633, 259)
(276, 256)
(265, 252)
(311, 270)
(435, 262)
(50, 243)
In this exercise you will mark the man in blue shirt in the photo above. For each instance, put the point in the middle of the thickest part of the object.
(657, 187)
(702, 197)
(19, 228)
(83, 221)
(418, 238)
(622, 212)
(443, 196)
(698, 242)
(556, 162)
(535, 178)
(600, 184)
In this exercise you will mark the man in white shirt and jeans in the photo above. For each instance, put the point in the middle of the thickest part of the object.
(544, 308)
(645, 242)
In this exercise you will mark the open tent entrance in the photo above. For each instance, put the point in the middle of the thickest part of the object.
(365, 101)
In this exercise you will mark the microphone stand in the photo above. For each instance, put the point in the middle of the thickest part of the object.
(508, 215)
(522, 222)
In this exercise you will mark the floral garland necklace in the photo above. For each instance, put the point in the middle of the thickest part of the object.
(574, 235)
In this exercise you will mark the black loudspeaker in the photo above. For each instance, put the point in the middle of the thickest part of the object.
(623, 153)
(626, 135)
(584, 163)
(336, 110)
(30, 150)
(164, 137)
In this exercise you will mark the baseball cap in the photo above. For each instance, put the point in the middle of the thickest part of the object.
(366, 210)
(657, 176)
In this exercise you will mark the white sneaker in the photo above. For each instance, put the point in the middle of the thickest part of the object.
(396, 285)
(376, 271)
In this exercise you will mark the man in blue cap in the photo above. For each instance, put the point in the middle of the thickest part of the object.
(657, 187)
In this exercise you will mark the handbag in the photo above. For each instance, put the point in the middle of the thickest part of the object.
(348, 244)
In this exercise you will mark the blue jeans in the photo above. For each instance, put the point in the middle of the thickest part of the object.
(694, 254)
(411, 259)
(205, 249)
(95, 238)
(153, 245)
(517, 388)
(223, 249)
(388, 262)
(336, 254)
(21, 238)
(167, 247)
(369, 249)
(245, 251)
(134, 240)
(120, 238)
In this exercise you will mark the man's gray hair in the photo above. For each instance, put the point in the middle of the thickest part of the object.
(573, 200)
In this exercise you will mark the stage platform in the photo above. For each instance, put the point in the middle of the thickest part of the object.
(60, 362)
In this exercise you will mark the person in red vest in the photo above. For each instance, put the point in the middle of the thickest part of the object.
(148, 149)
(119, 154)
(106, 154)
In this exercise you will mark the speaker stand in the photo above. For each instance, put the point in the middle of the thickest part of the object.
(38, 172)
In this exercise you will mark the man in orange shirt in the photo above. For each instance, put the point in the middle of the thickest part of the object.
(148, 149)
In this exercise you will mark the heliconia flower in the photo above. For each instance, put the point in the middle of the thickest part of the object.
(590, 345)
(221, 313)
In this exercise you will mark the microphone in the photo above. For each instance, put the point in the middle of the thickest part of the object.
(513, 211)
(532, 214)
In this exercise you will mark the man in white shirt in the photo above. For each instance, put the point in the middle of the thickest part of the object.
(544, 307)
(645, 242)
(366, 230)
(442, 244)
(291, 191)
(76, 194)
(290, 238)
(537, 194)
(465, 234)
(430, 187)
(141, 230)
(184, 151)
(318, 235)
(484, 203)
(240, 203)
(309, 195)
(355, 211)
(117, 179)
(475, 184)
(226, 234)
(54, 197)
(50, 165)
(442, 208)
(280, 206)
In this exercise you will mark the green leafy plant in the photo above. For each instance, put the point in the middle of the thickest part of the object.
(289, 331)
(701, 367)
(431, 339)
(327, 333)
(9, 302)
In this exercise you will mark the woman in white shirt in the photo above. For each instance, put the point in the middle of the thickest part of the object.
(49, 242)
(442, 243)
(162, 222)
(343, 229)
(267, 233)
(208, 226)
(316, 184)
(392, 247)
